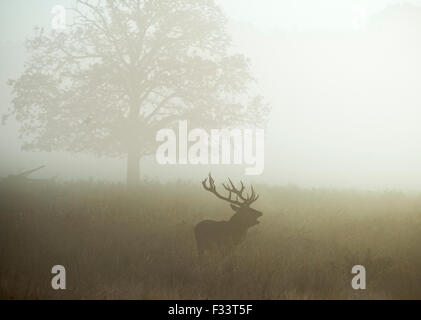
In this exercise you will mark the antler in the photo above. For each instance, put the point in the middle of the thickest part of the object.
(238, 193)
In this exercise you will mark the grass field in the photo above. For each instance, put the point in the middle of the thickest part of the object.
(116, 244)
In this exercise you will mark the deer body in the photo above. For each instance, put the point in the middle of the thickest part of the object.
(226, 235)
(220, 235)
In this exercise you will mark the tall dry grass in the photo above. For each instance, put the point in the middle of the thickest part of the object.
(140, 244)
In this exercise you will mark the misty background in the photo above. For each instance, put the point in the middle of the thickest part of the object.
(343, 79)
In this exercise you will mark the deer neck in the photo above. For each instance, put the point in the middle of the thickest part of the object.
(237, 226)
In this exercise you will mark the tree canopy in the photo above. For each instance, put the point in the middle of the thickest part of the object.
(126, 68)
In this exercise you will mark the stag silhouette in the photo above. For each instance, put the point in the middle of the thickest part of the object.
(226, 235)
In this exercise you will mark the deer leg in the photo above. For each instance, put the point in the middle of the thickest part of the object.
(200, 250)
(200, 253)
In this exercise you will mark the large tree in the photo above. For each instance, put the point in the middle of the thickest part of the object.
(126, 68)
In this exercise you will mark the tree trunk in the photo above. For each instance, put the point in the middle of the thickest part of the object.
(133, 152)
(133, 169)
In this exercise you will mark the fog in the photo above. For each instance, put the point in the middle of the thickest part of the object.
(343, 82)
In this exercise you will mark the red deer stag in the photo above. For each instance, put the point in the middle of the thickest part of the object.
(225, 235)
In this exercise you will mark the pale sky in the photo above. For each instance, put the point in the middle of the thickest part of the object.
(303, 14)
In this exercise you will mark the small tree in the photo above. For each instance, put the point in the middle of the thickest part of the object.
(126, 68)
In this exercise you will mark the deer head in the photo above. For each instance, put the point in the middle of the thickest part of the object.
(241, 204)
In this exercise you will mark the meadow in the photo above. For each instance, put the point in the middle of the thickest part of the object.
(139, 244)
